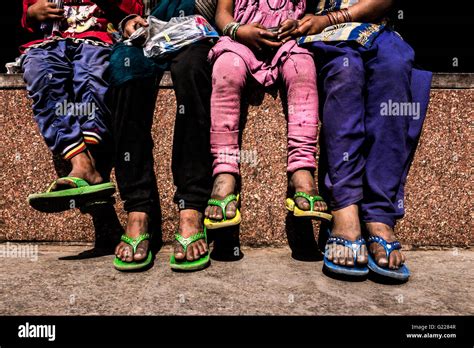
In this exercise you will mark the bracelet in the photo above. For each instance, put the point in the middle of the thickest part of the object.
(339, 17)
(231, 29)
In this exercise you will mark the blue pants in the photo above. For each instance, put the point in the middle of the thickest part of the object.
(66, 82)
(373, 107)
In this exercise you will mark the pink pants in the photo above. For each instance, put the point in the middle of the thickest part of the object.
(228, 79)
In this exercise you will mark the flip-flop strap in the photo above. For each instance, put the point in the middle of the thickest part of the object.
(388, 247)
(354, 245)
(133, 242)
(311, 199)
(78, 182)
(185, 242)
(222, 204)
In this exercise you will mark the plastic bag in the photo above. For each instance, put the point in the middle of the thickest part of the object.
(162, 38)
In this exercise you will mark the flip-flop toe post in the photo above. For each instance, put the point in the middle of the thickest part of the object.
(400, 274)
(185, 265)
(75, 196)
(354, 271)
(311, 213)
(225, 222)
(134, 265)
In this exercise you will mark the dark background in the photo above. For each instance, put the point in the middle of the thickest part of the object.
(437, 33)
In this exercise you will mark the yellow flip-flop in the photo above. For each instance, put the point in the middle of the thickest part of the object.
(311, 213)
(215, 224)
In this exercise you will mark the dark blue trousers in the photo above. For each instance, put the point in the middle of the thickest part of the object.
(66, 82)
(373, 107)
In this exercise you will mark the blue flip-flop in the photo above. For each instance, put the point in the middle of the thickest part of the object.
(354, 271)
(402, 273)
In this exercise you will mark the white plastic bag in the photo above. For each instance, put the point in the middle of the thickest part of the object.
(162, 38)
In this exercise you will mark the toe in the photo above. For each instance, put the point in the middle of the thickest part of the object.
(179, 252)
(394, 260)
(207, 211)
(190, 253)
(302, 203)
(141, 252)
(380, 256)
(343, 255)
(202, 247)
(231, 209)
(362, 255)
(350, 257)
(328, 252)
(128, 254)
(196, 252)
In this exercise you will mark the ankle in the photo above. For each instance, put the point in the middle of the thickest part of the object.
(81, 162)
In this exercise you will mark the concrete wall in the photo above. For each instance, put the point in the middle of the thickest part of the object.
(438, 200)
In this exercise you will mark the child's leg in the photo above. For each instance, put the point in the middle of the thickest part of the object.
(47, 74)
(89, 65)
(299, 78)
(228, 79)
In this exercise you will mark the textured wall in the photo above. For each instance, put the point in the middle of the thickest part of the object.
(438, 197)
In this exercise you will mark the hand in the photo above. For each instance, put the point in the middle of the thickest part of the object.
(132, 25)
(310, 25)
(286, 30)
(256, 36)
(43, 10)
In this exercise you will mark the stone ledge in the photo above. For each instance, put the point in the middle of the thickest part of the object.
(440, 81)
(441, 169)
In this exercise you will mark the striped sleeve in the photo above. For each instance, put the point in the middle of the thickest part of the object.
(206, 8)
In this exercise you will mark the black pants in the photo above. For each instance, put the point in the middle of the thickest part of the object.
(133, 104)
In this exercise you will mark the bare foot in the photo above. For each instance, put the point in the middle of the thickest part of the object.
(303, 181)
(83, 166)
(190, 223)
(137, 224)
(384, 231)
(347, 226)
(224, 185)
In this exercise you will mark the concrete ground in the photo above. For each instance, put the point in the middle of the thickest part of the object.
(264, 282)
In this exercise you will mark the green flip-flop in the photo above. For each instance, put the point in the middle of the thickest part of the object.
(225, 222)
(311, 213)
(134, 266)
(186, 265)
(56, 200)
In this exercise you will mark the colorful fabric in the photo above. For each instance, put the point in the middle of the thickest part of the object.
(362, 33)
(94, 20)
(269, 13)
(129, 62)
(369, 143)
(230, 74)
(68, 117)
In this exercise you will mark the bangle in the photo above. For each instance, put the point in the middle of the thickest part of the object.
(331, 18)
(347, 14)
(231, 29)
(233, 33)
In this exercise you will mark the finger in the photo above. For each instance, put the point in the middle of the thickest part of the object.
(58, 11)
(141, 21)
(285, 35)
(304, 20)
(51, 5)
(258, 25)
(270, 43)
(268, 34)
(55, 17)
(302, 29)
